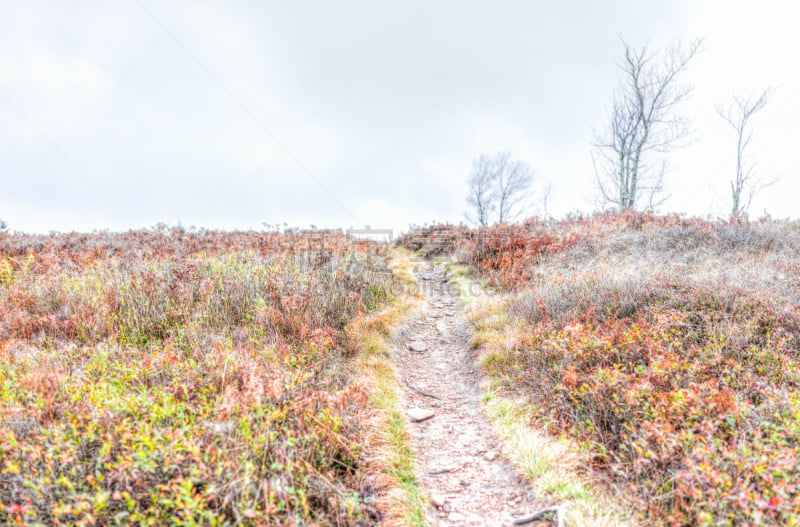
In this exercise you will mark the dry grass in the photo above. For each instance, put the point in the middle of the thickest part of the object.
(196, 378)
(393, 464)
(555, 466)
(667, 348)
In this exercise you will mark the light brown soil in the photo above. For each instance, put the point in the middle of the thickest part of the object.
(461, 466)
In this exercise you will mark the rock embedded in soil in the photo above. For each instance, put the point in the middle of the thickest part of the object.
(456, 517)
(490, 455)
(443, 469)
(420, 414)
(417, 346)
(437, 500)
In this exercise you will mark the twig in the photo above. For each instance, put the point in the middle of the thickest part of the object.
(426, 394)
(559, 511)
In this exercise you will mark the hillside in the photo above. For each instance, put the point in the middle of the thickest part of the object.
(615, 369)
(665, 349)
(204, 378)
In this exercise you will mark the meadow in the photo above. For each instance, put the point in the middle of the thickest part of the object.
(187, 378)
(210, 378)
(664, 349)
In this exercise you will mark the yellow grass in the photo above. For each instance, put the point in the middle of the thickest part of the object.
(392, 457)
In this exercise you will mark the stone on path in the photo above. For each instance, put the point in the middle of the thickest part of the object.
(443, 469)
(437, 500)
(420, 414)
(456, 517)
(417, 346)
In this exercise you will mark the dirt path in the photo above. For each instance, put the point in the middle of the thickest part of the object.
(462, 471)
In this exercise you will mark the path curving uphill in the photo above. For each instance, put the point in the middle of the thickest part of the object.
(461, 469)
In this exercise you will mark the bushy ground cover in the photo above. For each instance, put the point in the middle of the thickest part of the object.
(187, 378)
(667, 347)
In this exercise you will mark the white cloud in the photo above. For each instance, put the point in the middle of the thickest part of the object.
(385, 104)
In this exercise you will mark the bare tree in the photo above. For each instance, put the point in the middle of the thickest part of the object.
(498, 187)
(480, 198)
(644, 120)
(745, 185)
(512, 183)
(547, 192)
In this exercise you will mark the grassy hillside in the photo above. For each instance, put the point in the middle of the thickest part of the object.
(666, 347)
(186, 378)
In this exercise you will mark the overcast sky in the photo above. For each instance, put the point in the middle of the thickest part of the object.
(124, 113)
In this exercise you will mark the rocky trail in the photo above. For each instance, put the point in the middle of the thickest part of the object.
(461, 467)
